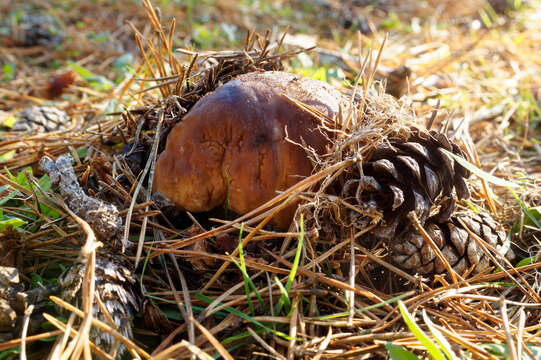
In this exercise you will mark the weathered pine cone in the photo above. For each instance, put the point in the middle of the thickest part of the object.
(42, 119)
(39, 30)
(407, 175)
(461, 250)
(115, 284)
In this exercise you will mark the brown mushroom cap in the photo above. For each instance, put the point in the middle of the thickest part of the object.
(232, 143)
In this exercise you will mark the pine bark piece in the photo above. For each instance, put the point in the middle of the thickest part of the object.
(8, 316)
(14, 301)
(103, 218)
(458, 247)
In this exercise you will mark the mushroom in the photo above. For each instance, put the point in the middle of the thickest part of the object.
(241, 143)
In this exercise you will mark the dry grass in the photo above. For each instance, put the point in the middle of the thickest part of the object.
(343, 300)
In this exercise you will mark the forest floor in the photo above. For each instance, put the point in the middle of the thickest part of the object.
(73, 81)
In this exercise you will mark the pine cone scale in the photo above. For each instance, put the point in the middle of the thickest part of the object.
(384, 166)
(432, 182)
(419, 150)
(411, 165)
(398, 197)
(458, 247)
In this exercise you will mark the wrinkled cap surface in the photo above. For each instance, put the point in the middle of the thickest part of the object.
(232, 143)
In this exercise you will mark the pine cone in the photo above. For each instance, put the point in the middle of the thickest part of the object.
(39, 30)
(457, 246)
(407, 175)
(115, 284)
(42, 119)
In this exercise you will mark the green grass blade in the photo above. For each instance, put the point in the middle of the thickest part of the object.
(292, 273)
(502, 351)
(419, 334)
(10, 196)
(237, 337)
(442, 341)
(12, 223)
(244, 316)
(14, 351)
(397, 352)
(10, 175)
(245, 276)
(366, 308)
(482, 174)
(526, 261)
(284, 297)
(527, 211)
(297, 258)
(247, 279)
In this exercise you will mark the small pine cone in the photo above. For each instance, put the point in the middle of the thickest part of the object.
(39, 30)
(115, 284)
(457, 246)
(42, 119)
(402, 175)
